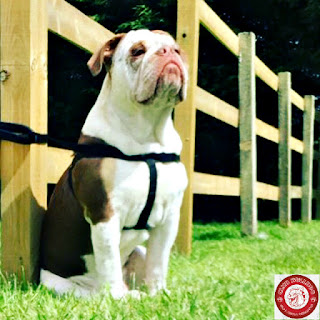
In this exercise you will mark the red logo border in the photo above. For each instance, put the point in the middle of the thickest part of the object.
(308, 285)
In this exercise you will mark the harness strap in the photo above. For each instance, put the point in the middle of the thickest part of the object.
(142, 223)
(24, 135)
(150, 159)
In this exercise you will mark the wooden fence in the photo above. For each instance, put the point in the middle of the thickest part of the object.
(191, 14)
(26, 170)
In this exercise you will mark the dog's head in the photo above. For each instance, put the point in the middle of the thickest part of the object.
(149, 63)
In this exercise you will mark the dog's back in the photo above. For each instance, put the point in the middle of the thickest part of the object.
(65, 233)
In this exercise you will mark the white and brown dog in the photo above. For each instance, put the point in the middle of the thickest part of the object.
(87, 242)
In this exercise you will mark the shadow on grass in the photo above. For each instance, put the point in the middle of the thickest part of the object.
(217, 232)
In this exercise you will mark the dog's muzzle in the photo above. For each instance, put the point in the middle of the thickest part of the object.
(163, 77)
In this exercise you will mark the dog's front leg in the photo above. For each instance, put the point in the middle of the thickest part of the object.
(159, 247)
(106, 248)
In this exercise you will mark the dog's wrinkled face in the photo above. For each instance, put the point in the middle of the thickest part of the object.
(149, 63)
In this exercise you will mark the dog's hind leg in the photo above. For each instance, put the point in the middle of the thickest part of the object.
(130, 239)
(80, 286)
(134, 270)
(133, 257)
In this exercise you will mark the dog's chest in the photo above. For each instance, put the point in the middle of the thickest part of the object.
(127, 185)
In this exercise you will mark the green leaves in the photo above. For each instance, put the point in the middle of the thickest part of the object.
(144, 18)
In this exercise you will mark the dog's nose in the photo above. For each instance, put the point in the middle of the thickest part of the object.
(166, 50)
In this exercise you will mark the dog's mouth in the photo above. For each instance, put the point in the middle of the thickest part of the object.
(167, 85)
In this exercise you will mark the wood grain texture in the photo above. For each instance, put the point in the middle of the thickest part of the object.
(74, 26)
(57, 162)
(219, 109)
(247, 134)
(307, 158)
(224, 34)
(209, 184)
(296, 192)
(284, 148)
(297, 100)
(215, 107)
(218, 28)
(23, 100)
(185, 113)
(266, 74)
(267, 191)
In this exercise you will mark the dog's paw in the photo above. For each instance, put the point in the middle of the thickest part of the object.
(118, 292)
(124, 293)
(136, 294)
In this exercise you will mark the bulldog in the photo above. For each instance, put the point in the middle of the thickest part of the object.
(89, 238)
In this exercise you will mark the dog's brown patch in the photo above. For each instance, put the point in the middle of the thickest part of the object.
(104, 55)
(90, 190)
(65, 233)
(90, 183)
(138, 49)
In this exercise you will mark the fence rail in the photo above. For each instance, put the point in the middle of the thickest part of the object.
(74, 26)
(229, 114)
(26, 171)
(250, 66)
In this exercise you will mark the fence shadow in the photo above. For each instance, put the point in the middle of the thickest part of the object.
(219, 232)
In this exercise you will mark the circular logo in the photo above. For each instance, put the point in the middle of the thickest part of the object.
(296, 296)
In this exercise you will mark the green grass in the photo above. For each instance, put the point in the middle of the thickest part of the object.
(226, 277)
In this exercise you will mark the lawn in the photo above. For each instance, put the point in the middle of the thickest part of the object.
(227, 277)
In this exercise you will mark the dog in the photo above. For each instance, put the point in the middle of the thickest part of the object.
(88, 237)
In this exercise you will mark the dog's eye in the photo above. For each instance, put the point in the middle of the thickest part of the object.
(136, 52)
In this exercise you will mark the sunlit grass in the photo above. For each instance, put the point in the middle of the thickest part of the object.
(227, 277)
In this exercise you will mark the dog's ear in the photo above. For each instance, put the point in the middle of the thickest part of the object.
(104, 55)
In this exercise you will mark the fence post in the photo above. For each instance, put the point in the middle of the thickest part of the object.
(185, 114)
(307, 158)
(284, 148)
(247, 133)
(24, 100)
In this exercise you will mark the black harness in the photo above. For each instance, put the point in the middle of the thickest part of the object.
(102, 150)
(24, 135)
